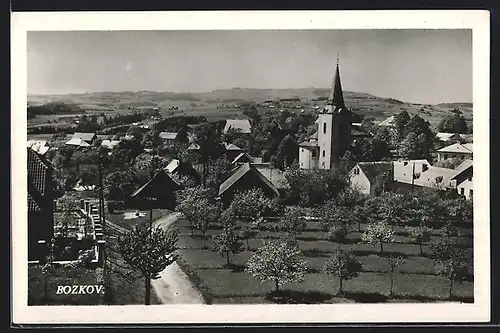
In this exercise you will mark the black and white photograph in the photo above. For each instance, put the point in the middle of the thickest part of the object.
(253, 166)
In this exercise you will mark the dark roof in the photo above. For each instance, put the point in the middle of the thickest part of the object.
(336, 96)
(240, 172)
(373, 169)
(161, 177)
(39, 173)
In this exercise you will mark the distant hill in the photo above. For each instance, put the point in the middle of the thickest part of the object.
(361, 103)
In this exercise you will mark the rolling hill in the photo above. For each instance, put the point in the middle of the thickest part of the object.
(209, 102)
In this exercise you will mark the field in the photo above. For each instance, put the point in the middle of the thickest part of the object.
(415, 281)
(210, 104)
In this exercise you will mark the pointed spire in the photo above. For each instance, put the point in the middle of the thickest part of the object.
(336, 97)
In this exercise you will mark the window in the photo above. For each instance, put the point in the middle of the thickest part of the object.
(462, 191)
(324, 127)
(323, 153)
(445, 156)
(470, 193)
(314, 153)
(356, 171)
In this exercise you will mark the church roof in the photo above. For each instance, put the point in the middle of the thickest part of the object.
(336, 97)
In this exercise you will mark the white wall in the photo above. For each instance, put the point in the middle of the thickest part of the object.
(325, 140)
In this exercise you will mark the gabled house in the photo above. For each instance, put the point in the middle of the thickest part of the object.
(232, 151)
(78, 142)
(243, 157)
(158, 192)
(39, 146)
(87, 137)
(462, 179)
(245, 177)
(367, 176)
(176, 167)
(456, 150)
(40, 205)
(168, 137)
(110, 144)
(241, 125)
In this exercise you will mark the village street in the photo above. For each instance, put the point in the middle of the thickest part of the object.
(174, 287)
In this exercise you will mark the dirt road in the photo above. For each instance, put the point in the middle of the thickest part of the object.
(173, 286)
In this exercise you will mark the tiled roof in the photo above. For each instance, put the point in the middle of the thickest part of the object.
(238, 124)
(84, 136)
(240, 172)
(466, 148)
(39, 173)
(32, 205)
(159, 176)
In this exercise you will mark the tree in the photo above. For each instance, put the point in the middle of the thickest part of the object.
(291, 224)
(401, 120)
(149, 251)
(394, 261)
(449, 163)
(226, 242)
(420, 234)
(250, 205)
(120, 184)
(89, 176)
(248, 231)
(378, 232)
(336, 220)
(277, 261)
(218, 171)
(344, 265)
(455, 267)
(204, 216)
(454, 123)
(191, 202)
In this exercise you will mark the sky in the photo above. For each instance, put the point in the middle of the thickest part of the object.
(420, 66)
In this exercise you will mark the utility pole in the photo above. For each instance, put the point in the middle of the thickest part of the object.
(413, 177)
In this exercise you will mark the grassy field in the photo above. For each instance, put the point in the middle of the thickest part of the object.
(415, 281)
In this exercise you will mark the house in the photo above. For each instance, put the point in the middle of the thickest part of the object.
(87, 137)
(78, 142)
(40, 205)
(168, 137)
(453, 137)
(461, 179)
(176, 167)
(274, 175)
(334, 134)
(158, 192)
(456, 150)
(366, 176)
(39, 146)
(389, 122)
(241, 125)
(245, 177)
(194, 146)
(110, 144)
(243, 157)
(232, 151)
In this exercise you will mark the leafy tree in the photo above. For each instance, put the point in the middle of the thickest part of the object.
(89, 176)
(344, 265)
(401, 120)
(208, 137)
(454, 123)
(337, 220)
(394, 261)
(119, 185)
(149, 251)
(288, 151)
(218, 171)
(228, 218)
(455, 267)
(378, 232)
(449, 163)
(420, 234)
(248, 231)
(250, 204)
(206, 215)
(291, 224)
(277, 261)
(226, 242)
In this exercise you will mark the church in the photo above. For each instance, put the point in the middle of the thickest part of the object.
(334, 134)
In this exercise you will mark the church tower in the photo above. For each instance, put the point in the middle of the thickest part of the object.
(334, 126)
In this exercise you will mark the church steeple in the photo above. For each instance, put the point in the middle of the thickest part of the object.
(336, 97)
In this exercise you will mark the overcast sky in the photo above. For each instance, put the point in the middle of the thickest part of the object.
(422, 66)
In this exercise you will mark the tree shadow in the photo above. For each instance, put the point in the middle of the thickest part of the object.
(361, 297)
(314, 253)
(235, 268)
(298, 297)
